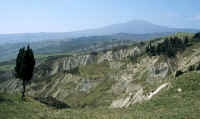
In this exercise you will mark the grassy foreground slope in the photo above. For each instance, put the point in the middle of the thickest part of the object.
(12, 107)
(179, 101)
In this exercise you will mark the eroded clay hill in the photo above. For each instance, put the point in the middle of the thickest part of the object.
(114, 78)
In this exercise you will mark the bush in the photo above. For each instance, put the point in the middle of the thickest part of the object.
(94, 53)
(178, 73)
(197, 35)
(198, 67)
(191, 68)
(73, 71)
(142, 43)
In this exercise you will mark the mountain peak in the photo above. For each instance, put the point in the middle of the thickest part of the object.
(139, 21)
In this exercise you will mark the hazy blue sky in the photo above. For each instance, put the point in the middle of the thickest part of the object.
(18, 16)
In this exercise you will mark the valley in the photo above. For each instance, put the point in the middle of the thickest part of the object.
(99, 59)
(119, 82)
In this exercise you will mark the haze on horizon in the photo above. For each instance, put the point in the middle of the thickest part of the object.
(27, 16)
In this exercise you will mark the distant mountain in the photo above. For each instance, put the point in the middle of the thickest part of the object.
(131, 27)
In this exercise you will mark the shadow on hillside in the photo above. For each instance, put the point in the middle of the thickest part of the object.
(2, 100)
(52, 102)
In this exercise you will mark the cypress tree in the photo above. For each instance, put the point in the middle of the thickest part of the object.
(24, 68)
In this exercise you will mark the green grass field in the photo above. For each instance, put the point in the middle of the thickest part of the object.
(168, 104)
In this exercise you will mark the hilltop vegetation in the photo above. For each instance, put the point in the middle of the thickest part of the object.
(171, 45)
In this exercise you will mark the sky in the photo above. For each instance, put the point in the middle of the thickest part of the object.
(25, 16)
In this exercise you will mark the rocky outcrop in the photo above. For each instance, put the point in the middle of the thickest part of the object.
(136, 98)
(71, 62)
(129, 100)
(132, 77)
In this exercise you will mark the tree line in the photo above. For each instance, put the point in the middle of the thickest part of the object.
(169, 47)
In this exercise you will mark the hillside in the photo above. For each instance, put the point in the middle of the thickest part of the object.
(169, 104)
(122, 82)
(81, 44)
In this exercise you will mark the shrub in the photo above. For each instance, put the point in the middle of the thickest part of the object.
(178, 73)
(191, 68)
(94, 53)
(73, 71)
(198, 67)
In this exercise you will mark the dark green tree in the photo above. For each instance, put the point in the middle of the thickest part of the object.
(186, 40)
(24, 68)
(197, 35)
